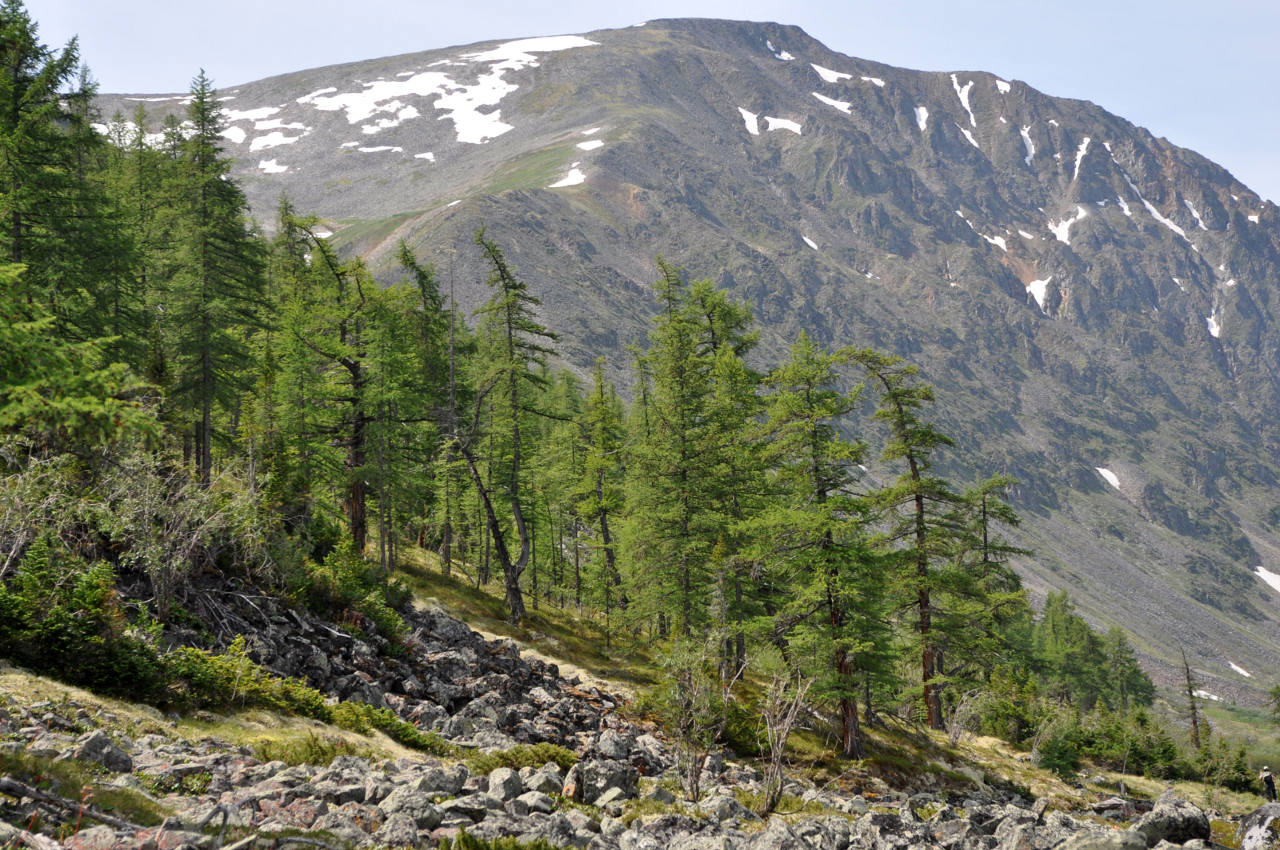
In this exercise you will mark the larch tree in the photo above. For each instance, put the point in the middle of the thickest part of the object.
(920, 506)
(213, 294)
(514, 345)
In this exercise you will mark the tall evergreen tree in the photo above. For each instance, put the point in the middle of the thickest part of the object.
(920, 505)
(515, 345)
(212, 295)
(831, 620)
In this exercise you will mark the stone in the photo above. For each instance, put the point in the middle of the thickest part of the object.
(1174, 820)
(599, 775)
(416, 804)
(97, 747)
(1259, 829)
(505, 784)
(536, 801)
(1120, 840)
(399, 830)
(475, 806)
(611, 745)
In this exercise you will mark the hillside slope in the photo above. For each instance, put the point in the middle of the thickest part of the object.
(1093, 304)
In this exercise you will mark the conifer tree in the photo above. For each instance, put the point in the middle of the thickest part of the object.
(832, 622)
(515, 345)
(212, 295)
(919, 505)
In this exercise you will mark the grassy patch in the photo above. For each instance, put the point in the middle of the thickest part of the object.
(525, 755)
(314, 747)
(73, 780)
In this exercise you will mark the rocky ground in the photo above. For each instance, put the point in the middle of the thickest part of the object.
(482, 696)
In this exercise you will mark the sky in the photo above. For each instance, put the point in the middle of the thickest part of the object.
(1204, 75)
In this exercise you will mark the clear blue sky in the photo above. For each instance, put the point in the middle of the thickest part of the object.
(1205, 75)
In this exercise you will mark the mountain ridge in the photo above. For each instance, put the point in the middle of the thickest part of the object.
(1085, 296)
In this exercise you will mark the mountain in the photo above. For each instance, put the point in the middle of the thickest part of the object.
(1094, 305)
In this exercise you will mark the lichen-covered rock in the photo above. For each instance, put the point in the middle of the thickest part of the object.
(1260, 829)
(1174, 820)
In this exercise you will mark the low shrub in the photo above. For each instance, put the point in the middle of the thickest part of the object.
(61, 614)
(523, 755)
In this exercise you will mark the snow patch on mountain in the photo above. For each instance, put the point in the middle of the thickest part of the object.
(1028, 144)
(842, 105)
(1110, 477)
(461, 103)
(1269, 577)
(875, 81)
(591, 145)
(427, 155)
(1239, 669)
(1195, 214)
(1037, 289)
(782, 124)
(1003, 87)
(573, 178)
(272, 140)
(1080, 153)
(810, 242)
(271, 166)
(969, 136)
(1203, 694)
(778, 54)
(829, 75)
(260, 114)
(751, 120)
(235, 135)
(381, 149)
(1062, 229)
(1215, 328)
(922, 117)
(963, 94)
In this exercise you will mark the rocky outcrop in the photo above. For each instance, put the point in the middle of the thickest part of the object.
(482, 695)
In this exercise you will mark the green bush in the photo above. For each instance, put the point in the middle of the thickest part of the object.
(1061, 753)
(346, 588)
(361, 718)
(197, 678)
(523, 755)
(61, 615)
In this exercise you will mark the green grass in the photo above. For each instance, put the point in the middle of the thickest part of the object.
(75, 780)
(535, 170)
(525, 755)
(558, 633)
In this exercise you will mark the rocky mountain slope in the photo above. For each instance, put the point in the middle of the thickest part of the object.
(616, 794)
(1093, 304)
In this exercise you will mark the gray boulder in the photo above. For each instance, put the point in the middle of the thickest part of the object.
(1125, 840)
(399, 830)
(1174, 820)
(596, 776)
(1260, 830)
(413, 803)
(505, 784)
(97, 747)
